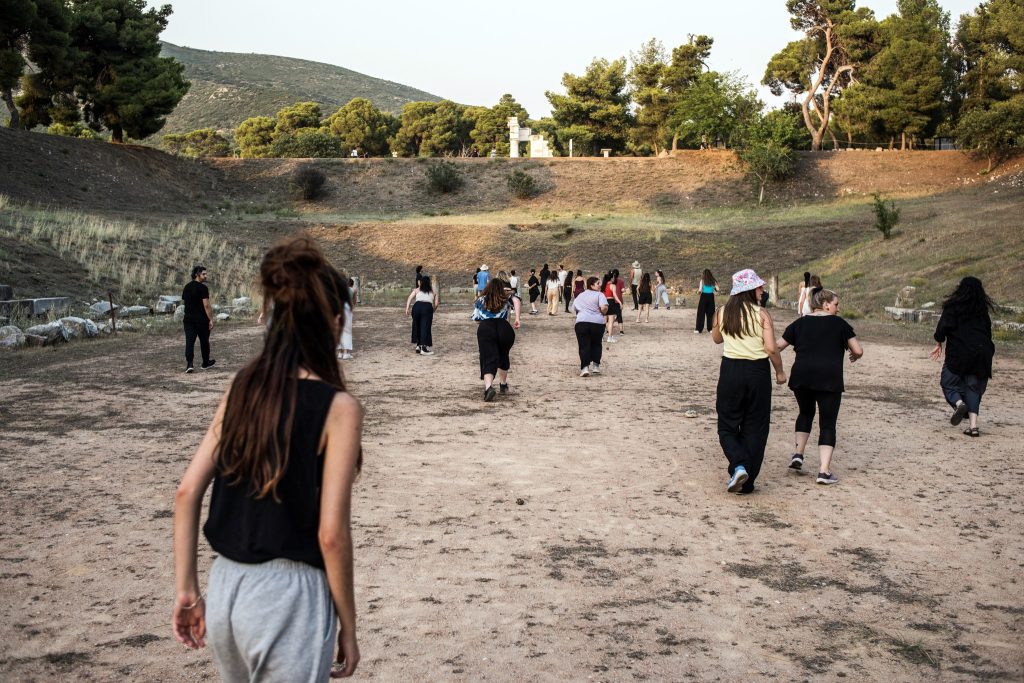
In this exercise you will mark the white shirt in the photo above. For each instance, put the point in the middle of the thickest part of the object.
(562, 274)
(513, 282)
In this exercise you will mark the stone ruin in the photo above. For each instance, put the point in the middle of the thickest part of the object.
(539, 148)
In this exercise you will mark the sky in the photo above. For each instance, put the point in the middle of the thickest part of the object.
(473, 51)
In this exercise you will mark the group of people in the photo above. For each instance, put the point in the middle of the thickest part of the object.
(284, 446)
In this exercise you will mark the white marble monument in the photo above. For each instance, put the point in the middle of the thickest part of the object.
(538, 145)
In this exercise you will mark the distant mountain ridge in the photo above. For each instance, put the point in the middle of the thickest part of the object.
(229, 87)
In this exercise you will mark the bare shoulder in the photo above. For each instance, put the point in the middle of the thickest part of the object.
(345, 407)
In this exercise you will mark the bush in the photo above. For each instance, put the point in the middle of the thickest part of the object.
(521, 184)
(307, 144)
(886, 216)
(308, 182)
(73, 130)
(204, 142)
(443, 177)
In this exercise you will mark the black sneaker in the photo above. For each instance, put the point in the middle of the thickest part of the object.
(503, 388)
(189, 370)
(959, 414)
(796, 462)
(208, 364)
(489, 394)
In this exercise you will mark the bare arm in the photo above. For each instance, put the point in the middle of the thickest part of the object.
(856, 350)
(716, 330)
(408, 302)
(209, 311)
(516, 306)
(437, 298)
(188, 619)
(344, 436)
(781, 344)
(768, 332)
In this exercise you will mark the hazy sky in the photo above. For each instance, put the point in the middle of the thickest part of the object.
(473, 51)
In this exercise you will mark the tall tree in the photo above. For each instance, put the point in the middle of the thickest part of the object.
(689, 61)
(34, 32)
(122, 81)
(360, 125)
(646, 73)
(430, 129)
(255, 137)
(490, 125)
(836, 40)
(714, 107)
(594, 111)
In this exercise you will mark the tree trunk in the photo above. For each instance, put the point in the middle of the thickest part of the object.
(760, 197)
(903, 141)
(835, 142)
(117, 134)
(675, 141)
(8, 98)
(816, 141)
(892, 142)
(849, 140)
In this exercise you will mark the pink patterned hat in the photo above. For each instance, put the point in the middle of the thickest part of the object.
(744, 281)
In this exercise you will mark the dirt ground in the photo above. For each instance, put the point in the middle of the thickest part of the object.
(626, 560)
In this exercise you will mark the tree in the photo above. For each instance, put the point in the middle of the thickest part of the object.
(490, 125)
(360, 125)
(255, 137)
(596, 102)
(650, 96)
(689, 61)
(767, 147)
(298, 117)
(837, 37)
(430, 129)
(994, 131)
(36, 32)
(712, 108)
(204, 142)
(307, 143)
(122, 81)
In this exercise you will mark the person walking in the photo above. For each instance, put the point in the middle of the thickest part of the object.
(820, 340)
(551, 292)
(805, 286)
(661, 291)
(579, 284)
(420, 305)
(707, 287)
(345, 345)
(646, 295)
(610, 289)
(813, 283)
(533, 283)
(282, 453)
(620, 285)
(495, 336)
(544, 273)
(198, 320)
(563, 275)
(513, 282)
(567, 289)
(744, 394)
(591, 306)
(419, 274)
(965, 327)
(634, 282)
(482, 278)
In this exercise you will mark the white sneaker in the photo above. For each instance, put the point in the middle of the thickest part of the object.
(585, 372)
(612, 340)
(595, 368)
(696, 331)
(426, 351)
(345, 356)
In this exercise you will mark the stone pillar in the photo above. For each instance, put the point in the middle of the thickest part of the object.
(773, 289)
(513, 137)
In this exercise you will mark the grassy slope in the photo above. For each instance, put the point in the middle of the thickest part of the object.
(229, 87)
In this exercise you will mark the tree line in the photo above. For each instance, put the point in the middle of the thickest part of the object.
(854, 79)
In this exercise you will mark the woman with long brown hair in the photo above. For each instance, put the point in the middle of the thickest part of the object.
(495, 336)
(707, 287)
(744, 396)
(282, 452)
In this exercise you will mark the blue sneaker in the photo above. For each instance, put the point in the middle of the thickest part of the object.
(739, 478)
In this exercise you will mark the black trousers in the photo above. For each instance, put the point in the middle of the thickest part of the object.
(567, 295)
(194, 330)
(827, 403)
(705, 312)
(744, 405)
(495, 338)
(636, 301)
(589, 336)
(422, 320)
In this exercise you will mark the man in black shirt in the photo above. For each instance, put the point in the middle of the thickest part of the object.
(198, 318)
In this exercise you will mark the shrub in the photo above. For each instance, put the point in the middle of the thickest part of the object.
(443, 177)
(521, 184)
(307, 144)
(204, 142)
(886, 216)
(73, 130)
(308, 182)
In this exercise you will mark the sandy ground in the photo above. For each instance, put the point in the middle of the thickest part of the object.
(626, 559)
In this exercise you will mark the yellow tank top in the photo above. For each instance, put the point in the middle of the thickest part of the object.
(747, 346)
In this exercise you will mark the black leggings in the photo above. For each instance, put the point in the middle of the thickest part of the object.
(495, 338)
(705, 311)
(422, 321)
(828, 409)
(589, 336)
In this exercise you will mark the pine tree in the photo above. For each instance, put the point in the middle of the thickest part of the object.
(594, 111)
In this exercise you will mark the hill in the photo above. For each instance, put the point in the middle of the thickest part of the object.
(228, 87)
(378, 220)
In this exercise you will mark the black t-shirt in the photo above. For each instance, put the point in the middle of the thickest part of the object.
(820, 342)
(969, 347)
(193, 296)
(533, 282)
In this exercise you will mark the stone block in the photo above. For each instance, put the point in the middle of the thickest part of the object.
(11, 337)
(6, 292)
(35, 307)
(134, 311)
(242, 302)
(905, 297)
(80, 327)
(52, 333)
(102, 308)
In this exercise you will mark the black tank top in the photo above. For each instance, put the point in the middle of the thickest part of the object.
(244, 529)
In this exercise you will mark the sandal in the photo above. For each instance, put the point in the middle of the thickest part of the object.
(972, 431)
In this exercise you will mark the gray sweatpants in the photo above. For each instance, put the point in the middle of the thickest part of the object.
(273, 621)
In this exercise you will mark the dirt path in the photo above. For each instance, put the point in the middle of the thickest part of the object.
(626, 560)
